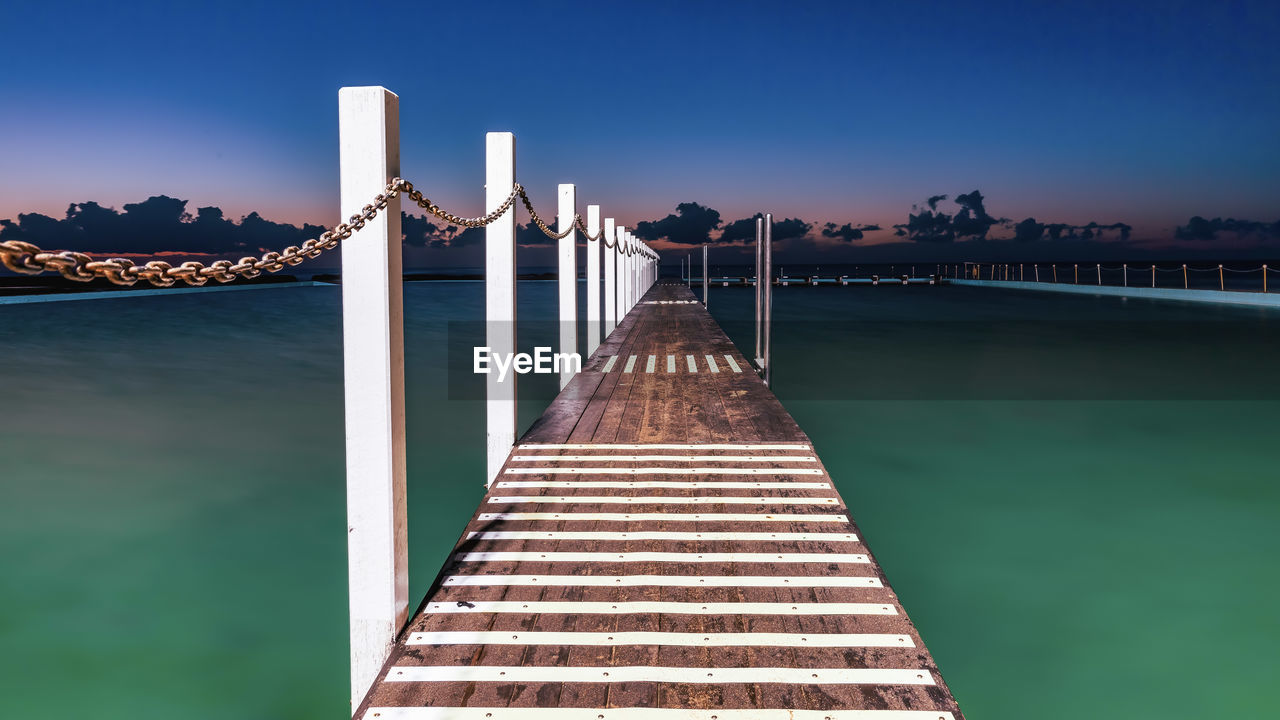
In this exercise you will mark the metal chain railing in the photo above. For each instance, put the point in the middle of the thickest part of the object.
(29, 259)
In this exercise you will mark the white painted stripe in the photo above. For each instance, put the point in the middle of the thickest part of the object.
(609, 363)
(660, 535)
(631, 364)
(660, 458)
(680, 557)
(641, 713)
(669, 484)
(663, 581)
(665, 517)
(540, 607)
(693, 364)
(657, 500)
(711, 364)
(671, 363)
(647, 673)
(663, 446)
(732, 363)
(662, 471)
(677, 639)
(648, 367)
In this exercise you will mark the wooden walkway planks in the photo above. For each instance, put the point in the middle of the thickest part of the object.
(765, 605)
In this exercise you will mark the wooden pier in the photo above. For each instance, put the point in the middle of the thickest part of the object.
(663, 544)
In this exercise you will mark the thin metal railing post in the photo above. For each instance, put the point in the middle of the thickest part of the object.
(610, 277)
(593, 279)
(373, 383)
(567, 277)
(705, 278)
(768, 298)
(499, 299)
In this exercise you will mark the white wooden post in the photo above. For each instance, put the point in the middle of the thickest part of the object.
(632, 280)
(631, 272)
(593, 280)
(499, 298)
(610, 278)
(621, 306)
(373, 383)
(568, 276)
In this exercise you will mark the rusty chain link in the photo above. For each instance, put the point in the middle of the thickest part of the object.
(28, 259)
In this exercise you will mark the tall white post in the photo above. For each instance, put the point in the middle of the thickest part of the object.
(630, 267)
(610, 278)
(568, 276)
(499, 298)
(373, 383)
(631, 273)
(622, 276)
(593, 280)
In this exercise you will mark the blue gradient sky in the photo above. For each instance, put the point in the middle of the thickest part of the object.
(843, 112)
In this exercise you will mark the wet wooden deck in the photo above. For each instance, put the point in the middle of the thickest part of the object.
(663, 544)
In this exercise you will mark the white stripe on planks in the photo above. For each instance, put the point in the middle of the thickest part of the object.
(657, 500)
(641, 713)
(659, 535)
(549, 607)
(659, 458)
(662, 581)
(609, 363)
(711, 364)
(662, 471)
(676, 639)
(668, 517)
(631, 364)
(664, 484)
(693, 364)
(671, 363)
(647, 673)
(732, 363)
(680, 557)
(662, 446)
(648, 367)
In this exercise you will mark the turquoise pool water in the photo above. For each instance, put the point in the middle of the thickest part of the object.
(1075, 523)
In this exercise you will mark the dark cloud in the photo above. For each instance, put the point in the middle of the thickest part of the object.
(740, 231)
(973, 222)
(421, 232)
(1198, 228)
(790, 228)
(158, 224)
(927, 226)
(1028, 230)
(691, 224)
(847, 232)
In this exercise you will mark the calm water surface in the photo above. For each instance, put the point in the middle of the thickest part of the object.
(1077, 520)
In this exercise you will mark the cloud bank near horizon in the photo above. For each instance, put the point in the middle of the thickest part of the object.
(164, 224)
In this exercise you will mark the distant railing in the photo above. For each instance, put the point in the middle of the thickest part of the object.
(1122, 275)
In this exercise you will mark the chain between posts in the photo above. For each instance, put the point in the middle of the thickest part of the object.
(29, 259)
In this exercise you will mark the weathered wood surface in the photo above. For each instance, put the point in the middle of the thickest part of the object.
(660, 407)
